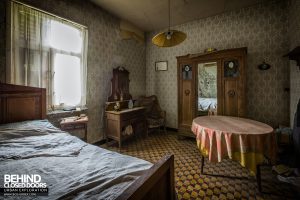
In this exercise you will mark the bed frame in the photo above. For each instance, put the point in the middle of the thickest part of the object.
(20, 103)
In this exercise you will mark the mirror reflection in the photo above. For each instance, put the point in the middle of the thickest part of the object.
(207, 88)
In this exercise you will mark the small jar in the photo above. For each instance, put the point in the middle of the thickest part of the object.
(130, 104)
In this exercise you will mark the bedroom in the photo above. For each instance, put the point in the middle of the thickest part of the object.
(269, 30)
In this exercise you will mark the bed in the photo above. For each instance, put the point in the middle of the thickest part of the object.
(205, 104)
(71, 168)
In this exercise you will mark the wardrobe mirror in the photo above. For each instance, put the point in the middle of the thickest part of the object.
(207, 88)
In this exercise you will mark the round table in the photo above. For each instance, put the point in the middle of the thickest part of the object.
(234, 125)
(244, 140)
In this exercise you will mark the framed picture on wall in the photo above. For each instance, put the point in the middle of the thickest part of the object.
(161, 65)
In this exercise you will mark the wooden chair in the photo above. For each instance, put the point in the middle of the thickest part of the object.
(155, 116)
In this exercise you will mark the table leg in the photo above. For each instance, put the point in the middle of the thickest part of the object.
(145, 126)
(258, 174)
(202, 164)
(85, 132)
(258, 177)
(120, 144)
(147, 131)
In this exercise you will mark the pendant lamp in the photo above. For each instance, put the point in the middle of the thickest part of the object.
(169, 38)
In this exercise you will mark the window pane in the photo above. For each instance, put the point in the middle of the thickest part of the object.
(67, 83)
(64, 37)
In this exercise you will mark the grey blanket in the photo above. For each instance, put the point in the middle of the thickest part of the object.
(70, 167)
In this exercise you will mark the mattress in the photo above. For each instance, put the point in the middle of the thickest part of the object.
(70, 167)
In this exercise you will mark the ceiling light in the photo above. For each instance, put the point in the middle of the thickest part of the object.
(169, 38)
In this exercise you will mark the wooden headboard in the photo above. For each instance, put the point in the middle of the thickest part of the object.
(20, 103)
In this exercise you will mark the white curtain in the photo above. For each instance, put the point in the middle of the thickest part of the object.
(30, 47)
(35, 44)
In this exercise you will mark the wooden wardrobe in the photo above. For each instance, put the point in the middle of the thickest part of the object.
(230, 83)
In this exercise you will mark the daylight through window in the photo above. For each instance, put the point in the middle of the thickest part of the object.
(49, 52)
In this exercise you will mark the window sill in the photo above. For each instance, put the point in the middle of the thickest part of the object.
(56, 112)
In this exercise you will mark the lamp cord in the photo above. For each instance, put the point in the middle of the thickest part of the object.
(169, 17)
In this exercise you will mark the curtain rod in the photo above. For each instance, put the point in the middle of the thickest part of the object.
(48, 13)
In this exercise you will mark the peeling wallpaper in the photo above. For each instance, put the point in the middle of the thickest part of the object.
(262, 28)
(106, 51)
(294, 37)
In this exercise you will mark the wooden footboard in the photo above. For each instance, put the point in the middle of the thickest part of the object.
(156, 184)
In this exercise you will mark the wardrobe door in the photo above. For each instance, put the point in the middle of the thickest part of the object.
(233, 86)
(186, 92)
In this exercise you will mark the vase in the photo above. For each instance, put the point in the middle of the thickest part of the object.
(130, 104)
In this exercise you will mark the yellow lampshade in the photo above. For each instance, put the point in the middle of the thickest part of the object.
(169, 39)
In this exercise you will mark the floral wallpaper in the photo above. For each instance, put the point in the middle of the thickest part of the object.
(294, 36)
(262, 29)
(106, 51)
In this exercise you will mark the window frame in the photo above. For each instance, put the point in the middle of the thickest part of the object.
(49, 52)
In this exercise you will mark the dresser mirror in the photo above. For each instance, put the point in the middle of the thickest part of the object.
(207, 88)
(120, 85)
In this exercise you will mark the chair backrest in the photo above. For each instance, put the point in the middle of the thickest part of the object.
(152, 106)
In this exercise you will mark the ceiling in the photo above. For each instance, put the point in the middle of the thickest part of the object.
(150, 15)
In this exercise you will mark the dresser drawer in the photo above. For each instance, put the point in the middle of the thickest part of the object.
(118, 121)
(113, 117)
(131, 115)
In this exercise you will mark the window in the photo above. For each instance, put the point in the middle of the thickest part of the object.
(50, 52)
(66, 88)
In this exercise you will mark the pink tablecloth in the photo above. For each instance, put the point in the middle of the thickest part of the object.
(244, 140)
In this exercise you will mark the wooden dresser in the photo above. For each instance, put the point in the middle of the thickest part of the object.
(121, 125)
(123, 122)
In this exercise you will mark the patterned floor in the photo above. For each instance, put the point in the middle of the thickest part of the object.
(190, 184)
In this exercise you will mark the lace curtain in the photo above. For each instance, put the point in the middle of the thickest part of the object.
(36, 43)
